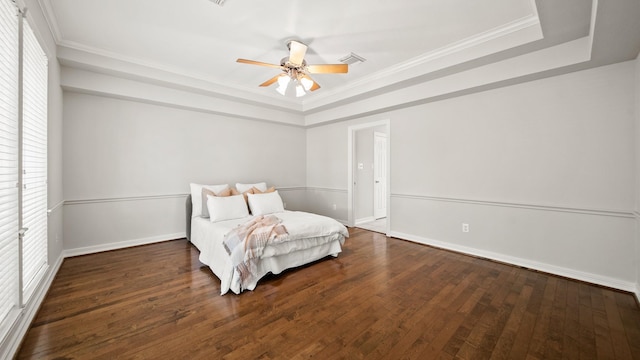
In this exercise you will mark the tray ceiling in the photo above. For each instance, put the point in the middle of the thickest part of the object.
(200, 40)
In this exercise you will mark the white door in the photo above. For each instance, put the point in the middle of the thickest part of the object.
(379, 175)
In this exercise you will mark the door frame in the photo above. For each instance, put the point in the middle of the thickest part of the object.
(351, 132)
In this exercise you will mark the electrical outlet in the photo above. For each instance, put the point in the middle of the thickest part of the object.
(284, 204)
(335, 207)
(465, 227)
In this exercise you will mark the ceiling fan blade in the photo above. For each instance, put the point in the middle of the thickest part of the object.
(270, 81)
(315, 85)
(297, 50)
(253, 62)
(328, 69)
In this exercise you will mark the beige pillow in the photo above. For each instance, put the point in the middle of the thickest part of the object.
(245, 194)
(258, 191)
(244, 187)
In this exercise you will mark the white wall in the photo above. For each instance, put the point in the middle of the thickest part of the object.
(128, 165)
(542, 171)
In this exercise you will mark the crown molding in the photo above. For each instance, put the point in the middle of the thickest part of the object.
(73, 54)
(514, 52)
(456, 47)
(533, 65)
(515, 33)
(85, 57)
(51, 19)
(79, 80)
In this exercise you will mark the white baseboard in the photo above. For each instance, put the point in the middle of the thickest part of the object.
(121, 244)
(21, 326)
(534, 265)
(365, 220)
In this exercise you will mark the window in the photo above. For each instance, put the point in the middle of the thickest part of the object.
(23, 163)
(9, 294)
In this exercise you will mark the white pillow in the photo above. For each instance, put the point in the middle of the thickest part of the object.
(267, 203)
(226, 208)
(196, 196)
(244, 187)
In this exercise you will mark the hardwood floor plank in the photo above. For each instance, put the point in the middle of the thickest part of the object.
(555, 334)
(630, 315)
(382, 298)
(541, 330)
(618, 337)
(519, 295)
(602, 331)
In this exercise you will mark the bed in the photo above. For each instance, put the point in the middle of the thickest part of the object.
(310, 237)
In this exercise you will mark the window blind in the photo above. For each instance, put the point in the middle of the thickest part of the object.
(9, 289)
(34, 160)
(23, 144)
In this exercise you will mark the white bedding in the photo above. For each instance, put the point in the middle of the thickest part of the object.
(312, 237)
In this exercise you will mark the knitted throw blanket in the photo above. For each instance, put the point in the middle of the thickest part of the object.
(245, 244)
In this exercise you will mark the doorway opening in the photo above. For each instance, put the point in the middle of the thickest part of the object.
(369, 176)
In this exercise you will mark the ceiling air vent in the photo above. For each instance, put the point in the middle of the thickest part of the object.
(219, 2)
(352, 59)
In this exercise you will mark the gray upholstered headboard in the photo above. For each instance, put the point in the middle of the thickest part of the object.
(189, 210)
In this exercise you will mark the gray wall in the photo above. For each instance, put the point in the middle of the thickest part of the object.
(542, 171)
(128, 165)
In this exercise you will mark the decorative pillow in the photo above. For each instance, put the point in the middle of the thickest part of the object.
(196, 196)
(244, 193)
(226, 208)
(205, 193)
(244, 187)
(267, 203)
(258, 191)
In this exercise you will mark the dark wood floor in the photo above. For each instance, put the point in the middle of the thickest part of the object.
(381, 299)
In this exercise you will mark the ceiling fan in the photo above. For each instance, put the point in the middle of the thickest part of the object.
(295, 68)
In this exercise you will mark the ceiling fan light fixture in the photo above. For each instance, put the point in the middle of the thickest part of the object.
(306, 83)
(300, 91)
(218, 2)
(283, 84)
(283, 80)
(295, 69)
